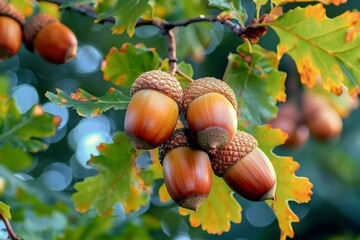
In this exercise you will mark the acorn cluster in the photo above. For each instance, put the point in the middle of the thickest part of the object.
(313, 115)
(210, 142)
(42, 34)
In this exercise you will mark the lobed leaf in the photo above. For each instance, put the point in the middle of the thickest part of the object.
(5, 210)
(217, 211)
(21, 133)
(233, 7)
(68, 3)
(50, 8)
(118, 180)
(258, 85)
(289, 186)
(335, 2)
(9, 153)
(88, 105)
(325, 50)
(24, 6)
(25, 131)
(122, 66)
(126, 13)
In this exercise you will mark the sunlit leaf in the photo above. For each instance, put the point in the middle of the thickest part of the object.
(118, 180)
(122, 66)
(5, 210)
(68, 3)
(218, 210)
(335, 2)
(24, 131)
(185, 68)
(126, 13)
(289, 186)
(89, 105)
(233, 7)
(50, 8)
(258, 85)
(25, 6)
(325, 50)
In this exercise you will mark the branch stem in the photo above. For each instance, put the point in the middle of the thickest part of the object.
(11, 232)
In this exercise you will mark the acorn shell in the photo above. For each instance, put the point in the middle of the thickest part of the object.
(9, 10)
(206, 85)
(179, 138)
(159, 81)
(34, 26)
(241, 145)
(187, 170)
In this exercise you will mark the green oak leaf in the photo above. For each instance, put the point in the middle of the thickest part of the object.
(88, 105)
(325, 50)
(122, 66)
(5, 210)
(258, 85)
(9, 153)
(68, 3)
(118, 180)
(25, 131)
(126, 13)
(234, 7)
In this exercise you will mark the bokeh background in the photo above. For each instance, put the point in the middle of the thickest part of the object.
(332, 166)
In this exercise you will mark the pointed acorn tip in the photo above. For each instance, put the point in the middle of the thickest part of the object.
(193, 202)
(270, 195)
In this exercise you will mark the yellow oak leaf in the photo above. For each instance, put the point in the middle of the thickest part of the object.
(335, 2)
(163, 194)
(217, 211)
(324, 49)
(289, 186)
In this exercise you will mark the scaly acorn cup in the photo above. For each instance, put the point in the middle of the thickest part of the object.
(11, 23)
(187, 170)
(153, 110)
(51, 39)
(210, 110)
(245, 168)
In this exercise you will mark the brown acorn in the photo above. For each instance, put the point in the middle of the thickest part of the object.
(11, 23)
(187, 170)
(51, 39)
(210, 111)
(321, 118)
(245, 168)
(153, 110)
(289, 120)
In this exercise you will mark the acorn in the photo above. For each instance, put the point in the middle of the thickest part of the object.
(210, 110)
(289, 120)
(321, 118)
(153, 110)
(51, 39)
(187, 170)
(245, 168)
(11, 23)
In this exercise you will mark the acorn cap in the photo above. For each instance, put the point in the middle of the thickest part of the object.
(9, 10)
(241, 145)
(159, 81)
(179, 138)
(33, 27)
(206, 85)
